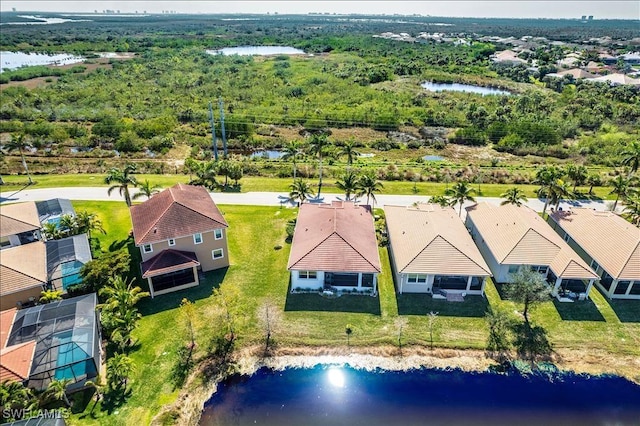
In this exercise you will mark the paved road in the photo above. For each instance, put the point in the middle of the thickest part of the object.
(261, 198)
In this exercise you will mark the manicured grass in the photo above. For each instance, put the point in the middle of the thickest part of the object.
(268, 184)
(258, 254)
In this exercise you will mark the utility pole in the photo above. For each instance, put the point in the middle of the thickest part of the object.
(224, 134)
(213, 133)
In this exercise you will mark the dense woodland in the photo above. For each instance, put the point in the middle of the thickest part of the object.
(158, 101)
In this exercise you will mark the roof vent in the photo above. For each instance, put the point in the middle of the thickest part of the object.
(155, 230)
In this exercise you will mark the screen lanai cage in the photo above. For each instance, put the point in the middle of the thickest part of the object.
(67, 335)
(52, 210)
(65, 258)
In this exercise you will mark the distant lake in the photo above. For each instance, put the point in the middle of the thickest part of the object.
(257, 50)
(268, 154)
(433, 158)
(15, 60)
(459, 87)
(338, 395)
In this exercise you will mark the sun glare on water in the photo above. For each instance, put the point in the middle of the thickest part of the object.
(336, 377)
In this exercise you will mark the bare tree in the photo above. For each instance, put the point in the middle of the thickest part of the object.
(270, 319)
(400, 324)
(433, 316)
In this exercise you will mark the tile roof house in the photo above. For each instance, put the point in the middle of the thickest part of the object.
(334, 246)
(23, 274)
(19, 224)
(432, 252)
(510, 237)
(616, 79)
(58, 340)
(606, 241)
(179, 231)
(507, 57)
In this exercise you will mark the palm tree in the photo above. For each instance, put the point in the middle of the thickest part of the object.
(461, 192)
(441, 200)
(317, 145)
(513, 196)
(300, 190)
(578, 174)
(121, 296)
(51, 231)
(19, 142)
(121, 180)
(89, 222)
(368, 184)
(547, 177)
(349, 150)
(14, 396)
(68, 225)
(57, 390)
(146, 190)
(48, 296)
(593, 180)
(125, 323)
(555, 192)
(631, 156)
(632, 208)
(348, 183)
(119, 368)
(205, 173)
(293, 151)
(620, 185)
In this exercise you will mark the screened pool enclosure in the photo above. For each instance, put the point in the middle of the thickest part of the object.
(65, 257)
(67, 336)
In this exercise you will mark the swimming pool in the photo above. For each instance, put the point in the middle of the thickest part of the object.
(71, 273)
(70, 357)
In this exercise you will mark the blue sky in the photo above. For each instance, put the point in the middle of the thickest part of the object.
(478, 8)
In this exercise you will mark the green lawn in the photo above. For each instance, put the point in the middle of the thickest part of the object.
(258, 254)
(267, 184)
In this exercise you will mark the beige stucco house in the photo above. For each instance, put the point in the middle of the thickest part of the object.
(179, 232)
(610, 244)
(432, 252)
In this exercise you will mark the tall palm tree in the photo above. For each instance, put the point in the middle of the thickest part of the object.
(547, 177)
(121, 296)
(300, 191)
(293, 151)
(631, 156)
(19, 142)
(89, 222)
(13, 395)
(368, 184)
(513, 196)
(51, 231)
(348, 183)
(621, 185)
(578, 174)
(461, 192)
(68, 225)
(121, 180)
(317, 146)
(119, 368)
(125, 323)
(632, 208)
(57, 390)
(558, 191)
(146, 189)
(349, 150)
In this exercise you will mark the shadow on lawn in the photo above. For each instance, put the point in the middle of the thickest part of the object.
(584, 310)
(212, 279)
(422, 304)
(357, 303)
(626, 310)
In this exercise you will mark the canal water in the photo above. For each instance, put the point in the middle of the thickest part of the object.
(340, 395)
(257, 50)
(459, 87)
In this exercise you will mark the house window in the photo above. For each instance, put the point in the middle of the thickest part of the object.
(217, 234)
(217, 254)
(594, 265)
(197, 238)
(308, 275)
(4, 242)
(542, 269)
(513, 269)
(566, 237)
(172, 242)
(416, 278)
(147, 248)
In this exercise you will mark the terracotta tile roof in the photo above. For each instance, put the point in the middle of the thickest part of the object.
(433, 240)
(606, 237)
(6, 322)
(16, 360)
(337, 237)
(18, 218)
(23, 267)
(175, 212)
(519, 236)
(168, 261)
